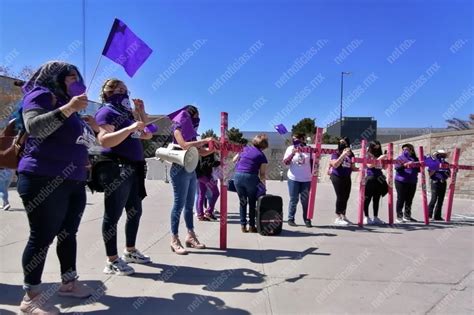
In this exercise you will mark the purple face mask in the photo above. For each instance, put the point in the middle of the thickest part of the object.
(406, 153)
(76, 88)
(297, 142)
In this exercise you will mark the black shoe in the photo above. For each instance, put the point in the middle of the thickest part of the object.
(291, 223)
(438, 219)
(308, 223)
(412, 220)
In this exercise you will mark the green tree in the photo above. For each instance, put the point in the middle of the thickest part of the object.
(327, 139)
(209, 133)
(306, 126)
(234, 135)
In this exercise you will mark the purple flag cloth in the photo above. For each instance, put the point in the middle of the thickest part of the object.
(126, 48)
(281, 129)
(182, 120)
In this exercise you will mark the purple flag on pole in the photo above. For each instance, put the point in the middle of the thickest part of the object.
(281, 129)
(126, 48)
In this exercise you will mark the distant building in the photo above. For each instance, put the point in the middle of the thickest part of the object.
(355, 128)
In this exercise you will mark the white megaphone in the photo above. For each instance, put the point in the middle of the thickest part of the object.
(174, 154)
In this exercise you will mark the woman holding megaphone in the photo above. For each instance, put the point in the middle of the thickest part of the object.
(185, 125)
(121, 172)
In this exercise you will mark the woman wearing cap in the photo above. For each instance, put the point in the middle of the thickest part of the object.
(439, 175)
(121, 173)
(406, 179)
(185, 125)
(299, 178)
(53, 169)
(342, 168)
(249, 172)
(374, 183)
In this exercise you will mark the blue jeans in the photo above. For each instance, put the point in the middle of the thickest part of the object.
(121, 190)
(5, 181)
(184, 190)
(298, 190)
(246, 185)
(54, 208)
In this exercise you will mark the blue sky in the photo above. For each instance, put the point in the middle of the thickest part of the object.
(426, 33)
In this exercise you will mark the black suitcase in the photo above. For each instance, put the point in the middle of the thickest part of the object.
(269, 215)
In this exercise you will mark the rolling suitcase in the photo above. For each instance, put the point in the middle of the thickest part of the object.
(269, 215)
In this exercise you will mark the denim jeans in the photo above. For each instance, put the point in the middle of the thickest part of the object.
(121, 190)
(184, 190)
(298, 190)
(54, 208)
(6, 176)
(246, 185)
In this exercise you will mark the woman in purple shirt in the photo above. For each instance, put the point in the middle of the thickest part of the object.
(185, 125)
(406, 179)
(249, 172)
(120, 172)
(439, 176)
(342, 168)
(374, 183)
(52, 177)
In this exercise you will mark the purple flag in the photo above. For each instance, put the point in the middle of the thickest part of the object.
(126, 48)
(281, 129)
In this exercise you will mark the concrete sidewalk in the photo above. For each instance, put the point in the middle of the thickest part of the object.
(408, 268)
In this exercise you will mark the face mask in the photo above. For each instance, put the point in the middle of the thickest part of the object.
(297, 142)
(120, 99)
(76, 88)
(406, 153)
(341, 146)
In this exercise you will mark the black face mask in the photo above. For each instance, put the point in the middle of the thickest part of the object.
(376, 152)
(341, 146)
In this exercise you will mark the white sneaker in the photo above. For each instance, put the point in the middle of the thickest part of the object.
(405, 219)
(118, 267)
(368, 221)
(347, 220)
(376, 220)
(135, 257)
(340, 221)
(399, 220)
(6, 207)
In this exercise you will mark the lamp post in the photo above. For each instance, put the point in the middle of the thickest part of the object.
(342, 84)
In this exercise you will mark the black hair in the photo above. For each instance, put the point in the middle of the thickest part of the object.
(192, 110)
(372, 150)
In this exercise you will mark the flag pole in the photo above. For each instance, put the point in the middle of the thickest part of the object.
(84, 39)
(93, 74)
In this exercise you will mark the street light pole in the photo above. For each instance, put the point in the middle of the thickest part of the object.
(342, 84)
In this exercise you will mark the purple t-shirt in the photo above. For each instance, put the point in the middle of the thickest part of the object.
(64, 152)
(440, 173)
(345, 169)
(250, 160)
(131, 148)
(406, 175)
